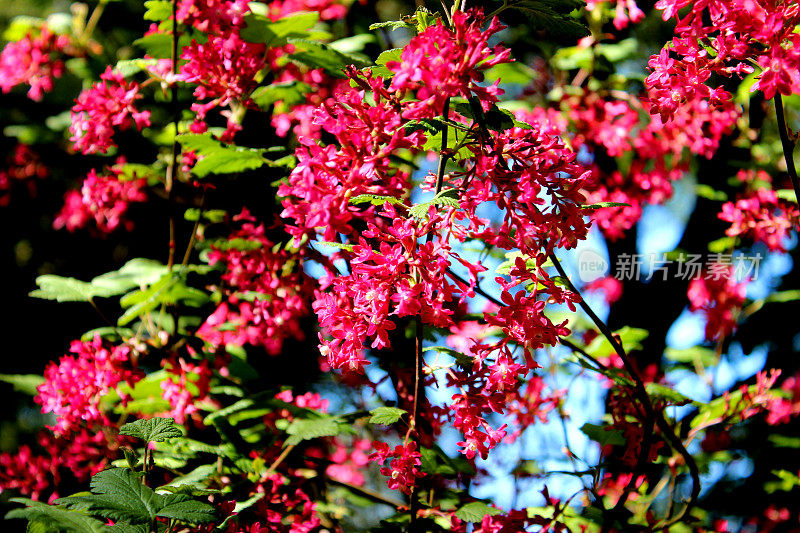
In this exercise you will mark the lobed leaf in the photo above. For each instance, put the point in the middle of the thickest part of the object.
(152, 430)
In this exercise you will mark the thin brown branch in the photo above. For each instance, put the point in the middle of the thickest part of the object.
(650, 412)
(788, 145)
(172, 169)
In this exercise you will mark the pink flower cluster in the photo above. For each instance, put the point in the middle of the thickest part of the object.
(786, 406)
(34, 60)
(397, 264)
(103, 200)
(725, 39)
(79, 455)
(349, 462)
(759, 215)
(188, 384)
(24, 165)
(75, 386)
(402, 471)
(607, 127)
(719, 297)
(98, 110)
(440, 63)
(268, 291)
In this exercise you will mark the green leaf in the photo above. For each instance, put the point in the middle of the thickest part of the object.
(159, 45)
(515, 72)
(191, 511)
(603, 435)
(119, 495)
(391, 25)
(341, 246)
(52, 287)
(157, 10)
(664, 392)
(129, 67)
(291, 93)
(461, 358)
(786, 194)
(784, 296)
(311, 428)
(693, 355)
(475, 511)
(152, 430)
(551, 17)
(602, 205)
(55, 518)
(218, 158)
(319, 55)
(354, 44)
(136, 273)
(375, 199)
(386, 415)
(394, 54)
(447, 197)
(260, 29)
(722, 245)
(629, 337)
(788, 482)
(706, 191)
(24, 383)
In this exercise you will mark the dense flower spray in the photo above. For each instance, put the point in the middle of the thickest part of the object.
(34, 60)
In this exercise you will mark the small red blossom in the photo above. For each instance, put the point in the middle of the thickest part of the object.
(402, 471)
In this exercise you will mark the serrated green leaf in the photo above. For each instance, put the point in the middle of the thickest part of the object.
(157, 10)
(152, 430)
(56, 518)
(386, 415)
(218, 158)
(52, 287)
(191, 511)
(260, 29)
(118, 494)
(475, 511)
(311, 428)
(390, 25)
(447, 197)
(380, 68)
(375, 199)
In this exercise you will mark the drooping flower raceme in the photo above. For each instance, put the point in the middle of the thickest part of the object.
(107, 105)
(74, 387)
(725, 39)
(34, 60)
(102, 199)
(400, 261)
